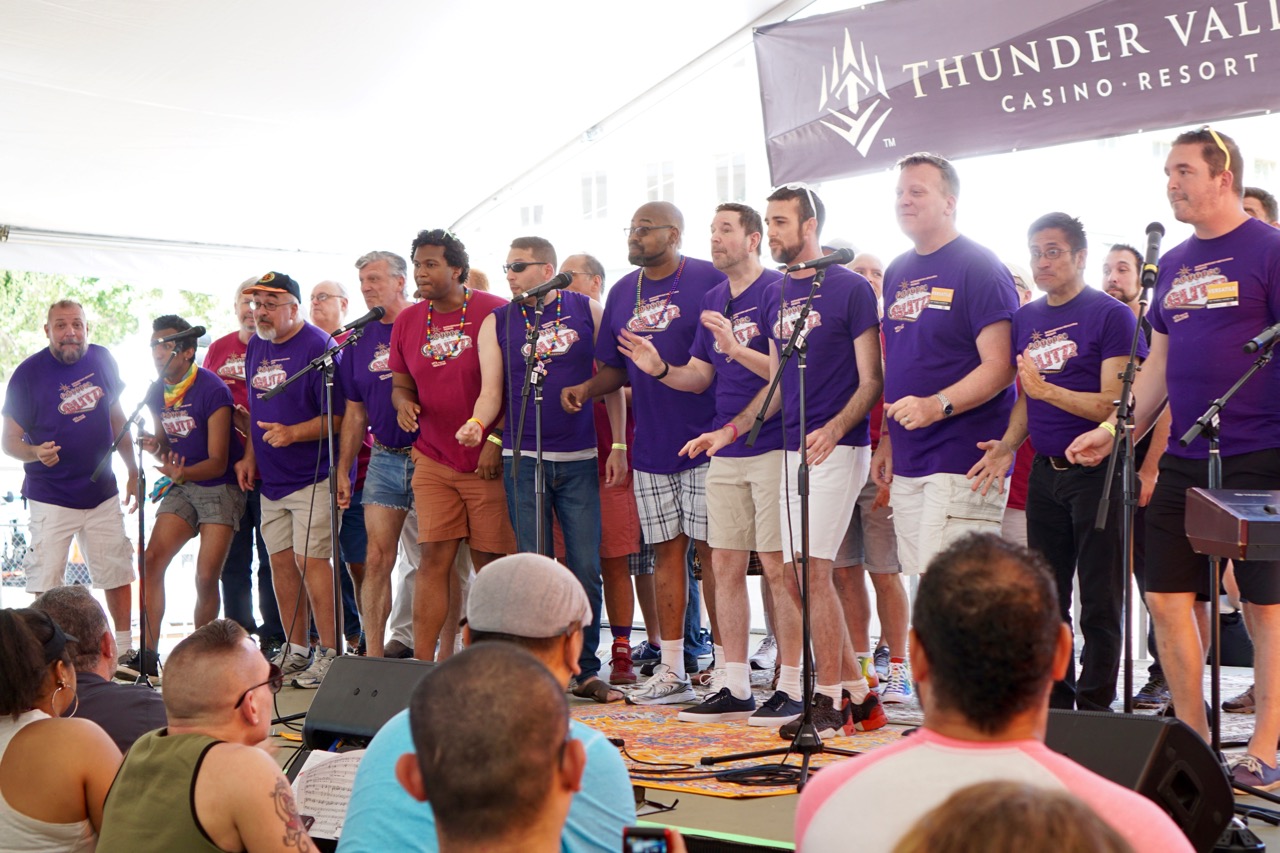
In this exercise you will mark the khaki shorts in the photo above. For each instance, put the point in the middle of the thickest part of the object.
(100, 532)
(299, 522)
(454, 505)
(742, 502)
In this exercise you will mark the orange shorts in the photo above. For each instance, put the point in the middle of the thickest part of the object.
(619, 523)
(453, 505)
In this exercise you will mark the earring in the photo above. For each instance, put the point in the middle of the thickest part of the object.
(53, 700)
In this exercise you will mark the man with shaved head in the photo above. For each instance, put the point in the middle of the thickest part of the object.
(661, 301)
(205, 772)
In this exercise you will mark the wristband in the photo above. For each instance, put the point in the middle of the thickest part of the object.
(735, 432)
(666, 368)
(618, 445)
(1109, 427)
(493, 439)
(476, 421)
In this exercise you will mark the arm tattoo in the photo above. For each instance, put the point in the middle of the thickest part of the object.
(295, 835)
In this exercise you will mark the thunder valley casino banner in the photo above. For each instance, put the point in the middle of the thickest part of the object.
(853, 91)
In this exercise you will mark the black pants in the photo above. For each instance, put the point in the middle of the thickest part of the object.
(1061, 510)
(237, 575)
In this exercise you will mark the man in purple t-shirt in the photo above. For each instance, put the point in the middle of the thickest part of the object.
(288, 450)
(1215, 291)
(61, 413)
(662, 300)
(1070, 349)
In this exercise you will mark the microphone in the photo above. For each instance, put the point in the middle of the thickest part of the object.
(193, 332)
(1268, 335)
(840, 256)
(1154, 232)
(375, 313)
(560, 282)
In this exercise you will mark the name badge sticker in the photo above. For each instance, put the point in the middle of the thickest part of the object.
(1222, 294)
(940, 297)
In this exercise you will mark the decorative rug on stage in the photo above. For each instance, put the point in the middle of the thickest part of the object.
(652, 733)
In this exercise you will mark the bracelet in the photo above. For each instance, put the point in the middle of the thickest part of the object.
(618, 445)
(476, 421)
(735, 432)
(493, 439)
(666, 368)
(1109, 427)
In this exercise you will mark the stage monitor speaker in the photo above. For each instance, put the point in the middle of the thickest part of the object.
(1159, 757)
(357, 697)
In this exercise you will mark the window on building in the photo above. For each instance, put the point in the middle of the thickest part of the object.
(731, 177)
(531, 215)
(595, 201)
(662, 181)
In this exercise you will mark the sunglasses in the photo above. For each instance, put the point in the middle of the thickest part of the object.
(521, 266)
(803, 187)
(1218, 139)
(275, 680)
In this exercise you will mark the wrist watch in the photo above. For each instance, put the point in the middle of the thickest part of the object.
(947, 409)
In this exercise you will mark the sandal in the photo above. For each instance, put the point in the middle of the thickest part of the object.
(596, 690)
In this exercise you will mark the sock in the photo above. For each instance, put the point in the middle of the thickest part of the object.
(717, 655)
(673, 656)
(831, 691)
(738, 678)
(124, 640)
(858, 689)
(621, 632)
(861, 655)
(296, 649)
(789, 681)
(894, 660)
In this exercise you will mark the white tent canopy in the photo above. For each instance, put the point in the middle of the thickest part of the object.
(318, 129)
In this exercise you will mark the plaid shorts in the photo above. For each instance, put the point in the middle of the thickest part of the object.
(641, 562)
(671, 504)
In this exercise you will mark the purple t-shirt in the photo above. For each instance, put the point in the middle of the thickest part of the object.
(284, 470)
(1211, 298)
(935, 306)
(1068, 344)
(567, 336)
(70, 405)
(186, 425)
(843, 308)
(735, 384)
(365, 376)
(668, 315)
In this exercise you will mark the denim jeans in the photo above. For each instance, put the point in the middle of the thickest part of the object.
(237, 575)
(573, 494)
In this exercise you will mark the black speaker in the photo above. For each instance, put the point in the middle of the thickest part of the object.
(357, 697)
(1159, 757)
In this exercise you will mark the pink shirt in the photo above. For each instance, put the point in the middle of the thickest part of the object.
(896, 785)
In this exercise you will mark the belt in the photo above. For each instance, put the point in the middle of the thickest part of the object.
(399, 451)
(1061, 463)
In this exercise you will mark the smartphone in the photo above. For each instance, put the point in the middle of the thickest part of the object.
(646, 839)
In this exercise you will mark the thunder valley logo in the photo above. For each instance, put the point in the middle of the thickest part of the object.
(787, 321)
(552, 341)
(80, 397)
(449, 343)
(178, 423)
(1050, 351)
(233, 368)
(269, 375)
(1203, 287)
(744, 330)
(861, 84)
(656, 315)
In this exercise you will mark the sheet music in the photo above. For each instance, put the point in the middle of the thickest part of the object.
(323, 790)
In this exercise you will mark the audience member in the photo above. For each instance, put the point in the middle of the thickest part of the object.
(125, 711)
(1261, 204)
(987, 643)
(54, 773)
(204, 781)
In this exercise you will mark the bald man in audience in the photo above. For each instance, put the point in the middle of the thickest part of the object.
(205, 776)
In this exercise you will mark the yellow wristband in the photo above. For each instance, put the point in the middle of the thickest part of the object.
(1108, 426)
(476, 421)
(493, 439)
(618, 445)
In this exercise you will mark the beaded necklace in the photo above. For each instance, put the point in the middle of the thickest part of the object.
(528, 328)
(666, 302)
(435, 354)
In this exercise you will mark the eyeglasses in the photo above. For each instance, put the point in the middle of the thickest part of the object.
(268, 306)
(521, 266)
(643, 230)
(800, 186)
(1222, 145)
(1052, 254)
(275, 681)
(321, 297)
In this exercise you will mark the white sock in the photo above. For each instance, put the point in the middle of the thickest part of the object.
(673, 656)
(296, 649)
(789, 681)
(718, 659)
(832, 691)
(861, 655)
(858, 689)
(124, 640)
(738, 678)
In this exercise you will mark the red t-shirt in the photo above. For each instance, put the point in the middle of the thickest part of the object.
(225, 357)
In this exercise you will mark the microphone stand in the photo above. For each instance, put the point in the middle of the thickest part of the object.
(135, 418)
(535, 373)
(326, 362)
(807, 742)
(1208, 425)
(1122, 446)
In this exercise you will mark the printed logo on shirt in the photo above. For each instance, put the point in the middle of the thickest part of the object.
(381, 361)
(787, 321)
(912, 298)
(745, 330)
(1050, 351)
(177, 423)
(553, 341)
(655, 315)
(80, 397)
(233, 368)
(269, 374)
(1202, 287)
(446, 344)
